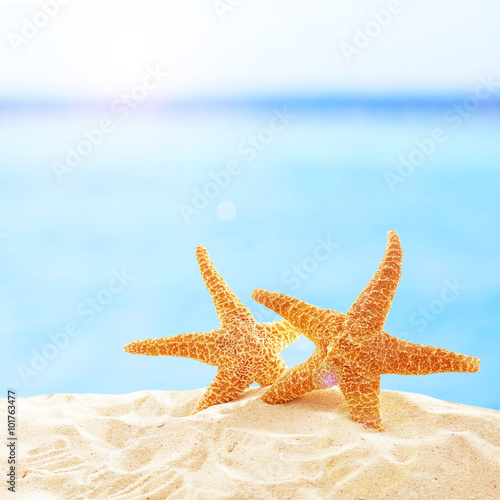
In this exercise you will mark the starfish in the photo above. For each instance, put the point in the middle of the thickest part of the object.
(352, 349)
(243, 350)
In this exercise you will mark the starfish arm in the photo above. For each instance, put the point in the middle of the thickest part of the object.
(296, 382)
(227, 385)
(280, 334)
(270, 372)
(363, 398)
(199, 346)
(228, 306)
(405, 358)
(312, 320)
(368, 313)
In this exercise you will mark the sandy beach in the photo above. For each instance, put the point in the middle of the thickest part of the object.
(145, 445)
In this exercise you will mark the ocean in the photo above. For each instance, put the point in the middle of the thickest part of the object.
(103, 204)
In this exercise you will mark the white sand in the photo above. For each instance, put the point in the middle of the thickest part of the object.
(144, 445)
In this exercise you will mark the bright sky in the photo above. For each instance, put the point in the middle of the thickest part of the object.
(99, 49)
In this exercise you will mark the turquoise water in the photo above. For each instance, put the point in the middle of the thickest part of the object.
(101, 251)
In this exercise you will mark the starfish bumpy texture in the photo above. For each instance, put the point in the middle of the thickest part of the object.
(352, 349)
(243, 350)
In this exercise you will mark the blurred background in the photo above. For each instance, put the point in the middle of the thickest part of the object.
(286, 137)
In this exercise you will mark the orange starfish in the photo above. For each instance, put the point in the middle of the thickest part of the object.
(244, 351)
(352, 349)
